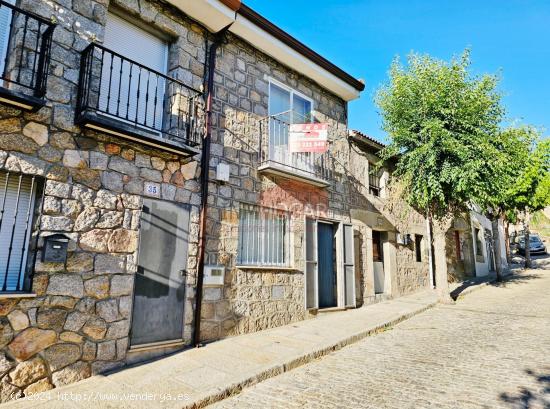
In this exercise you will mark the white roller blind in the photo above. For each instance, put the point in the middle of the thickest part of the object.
(121, 81)
(16, 200)
(5, 21)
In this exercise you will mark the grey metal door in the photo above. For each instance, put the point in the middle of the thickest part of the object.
(159, 294)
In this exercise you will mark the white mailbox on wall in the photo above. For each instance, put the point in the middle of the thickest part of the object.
(214, 275)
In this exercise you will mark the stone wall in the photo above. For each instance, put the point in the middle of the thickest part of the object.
(77, 321)
(255, 299)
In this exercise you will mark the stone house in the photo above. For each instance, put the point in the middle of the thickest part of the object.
(396, 260)
(109, 218)
(152, 196)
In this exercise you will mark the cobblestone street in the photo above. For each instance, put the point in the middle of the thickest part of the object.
(490, 350)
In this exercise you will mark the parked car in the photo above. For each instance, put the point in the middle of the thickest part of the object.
(536, 245)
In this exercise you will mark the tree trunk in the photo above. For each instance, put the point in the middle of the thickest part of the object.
(495, 237)
(440, 228)
(526, 223)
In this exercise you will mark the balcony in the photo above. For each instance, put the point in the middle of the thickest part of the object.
(25, 44)
(277, 160)
(127, 99)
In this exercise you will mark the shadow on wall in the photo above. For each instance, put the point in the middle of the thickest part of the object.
(532, 397)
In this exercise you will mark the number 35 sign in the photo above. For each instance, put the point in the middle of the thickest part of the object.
(151, 189)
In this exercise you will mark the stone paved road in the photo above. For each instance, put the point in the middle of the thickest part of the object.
(490, 350)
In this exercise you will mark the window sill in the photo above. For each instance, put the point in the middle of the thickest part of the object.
(17, 295)
(266, 268)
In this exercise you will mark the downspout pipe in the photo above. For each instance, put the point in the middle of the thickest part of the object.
(219, 39)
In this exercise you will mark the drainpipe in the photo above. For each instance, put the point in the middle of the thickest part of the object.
(219, 38)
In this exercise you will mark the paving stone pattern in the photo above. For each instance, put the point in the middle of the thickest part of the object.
(490, 350)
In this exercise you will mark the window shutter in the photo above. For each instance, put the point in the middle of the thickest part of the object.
(139, 45)
(311, 272)
(16, 201)
(349, 264)
(5, 22)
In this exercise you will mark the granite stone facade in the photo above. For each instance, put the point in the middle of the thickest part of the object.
(76, 319)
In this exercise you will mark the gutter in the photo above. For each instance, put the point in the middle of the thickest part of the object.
(219, 38)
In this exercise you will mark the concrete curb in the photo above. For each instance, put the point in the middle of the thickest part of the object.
(295, 362)
(237, 387)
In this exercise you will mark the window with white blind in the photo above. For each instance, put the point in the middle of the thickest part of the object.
(263, 236)
(17, 207)
(127, 91)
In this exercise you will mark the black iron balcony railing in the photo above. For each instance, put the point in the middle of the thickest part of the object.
(25, 44)
(275, 155)
(126, 98)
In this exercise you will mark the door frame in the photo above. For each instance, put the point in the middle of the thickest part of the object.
(340, 263)
(167, 343)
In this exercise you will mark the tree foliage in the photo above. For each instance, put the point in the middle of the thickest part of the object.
(442, 122)
(531, 189)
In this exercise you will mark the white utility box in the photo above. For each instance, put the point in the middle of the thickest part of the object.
(222, 172)
(214, 275)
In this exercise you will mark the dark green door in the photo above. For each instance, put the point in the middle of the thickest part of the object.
(159, 294)
(327, 279)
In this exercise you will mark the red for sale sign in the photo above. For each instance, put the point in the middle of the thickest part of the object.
(308, 138)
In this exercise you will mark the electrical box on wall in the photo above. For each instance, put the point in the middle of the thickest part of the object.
(214, 275)
(222, 172)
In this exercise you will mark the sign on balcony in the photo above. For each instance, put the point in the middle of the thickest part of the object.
(308, 138)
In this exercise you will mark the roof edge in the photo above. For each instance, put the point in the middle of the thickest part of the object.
(297, 46)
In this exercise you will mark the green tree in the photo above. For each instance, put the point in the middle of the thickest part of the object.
(512, 146)
(531, 188)
(441, 121)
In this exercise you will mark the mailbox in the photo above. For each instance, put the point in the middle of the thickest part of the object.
(214, 275)
(55, 248)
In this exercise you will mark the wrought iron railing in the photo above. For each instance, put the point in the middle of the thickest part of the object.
(275, 151)
(25, 44)
(137, 96)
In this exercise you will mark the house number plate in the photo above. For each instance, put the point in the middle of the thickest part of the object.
(152, 189)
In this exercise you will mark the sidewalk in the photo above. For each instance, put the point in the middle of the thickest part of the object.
(197, 377)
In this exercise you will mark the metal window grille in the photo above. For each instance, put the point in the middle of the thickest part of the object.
(263, 236)
(18, 208)
(374, 182)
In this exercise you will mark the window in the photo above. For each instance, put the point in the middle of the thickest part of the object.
(374, 180)
(479, 244)
(289, 106)
(377, 254)
(418, 247)
(263, 236)
(128, 91)
(17, 208)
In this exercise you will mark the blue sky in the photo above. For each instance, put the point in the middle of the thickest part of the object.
(363, 36)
